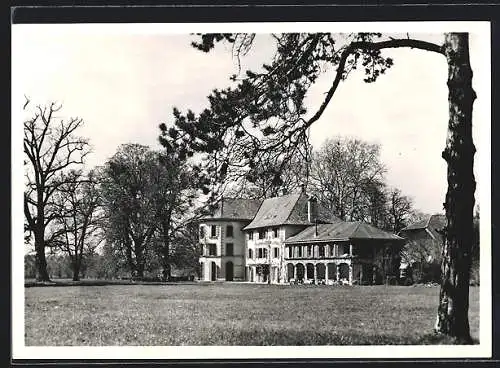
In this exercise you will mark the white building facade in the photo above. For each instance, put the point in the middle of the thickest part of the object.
(222, 240)
(290, 239)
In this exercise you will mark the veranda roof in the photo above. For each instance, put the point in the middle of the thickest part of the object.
(342, 231)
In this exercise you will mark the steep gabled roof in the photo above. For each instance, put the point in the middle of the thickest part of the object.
(342, 231)
(289, 209)
(235, 209)
(422, 224)
(432, 227)
(433, 222)
(437, 222)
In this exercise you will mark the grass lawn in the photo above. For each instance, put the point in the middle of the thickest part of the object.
(234, 314)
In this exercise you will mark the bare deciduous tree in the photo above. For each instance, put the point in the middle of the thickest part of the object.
(51, 148)
(130, 219)
(148, 199)
(399, 210)
(343, 170)
(79, 222)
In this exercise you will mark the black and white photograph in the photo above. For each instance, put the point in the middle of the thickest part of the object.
(251, 190)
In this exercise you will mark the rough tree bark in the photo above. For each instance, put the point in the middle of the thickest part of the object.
(165, 251)
(76, 270)
(452, 318)
(40, 260)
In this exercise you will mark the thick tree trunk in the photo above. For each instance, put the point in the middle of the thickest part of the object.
(452, 318)
(167, 268)
(41, 262)
(140, 271)
(165, 256)
(76, 271)
(140, 263)
(167, 271)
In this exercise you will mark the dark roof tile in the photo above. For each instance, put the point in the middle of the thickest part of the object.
(289, 209)
(342, 231)
(236, 209)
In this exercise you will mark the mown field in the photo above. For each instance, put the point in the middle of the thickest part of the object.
(234, 314)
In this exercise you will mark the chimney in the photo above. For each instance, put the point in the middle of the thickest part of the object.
(312, 209)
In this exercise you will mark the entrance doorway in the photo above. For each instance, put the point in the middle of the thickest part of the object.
(213, 272)
(229, 271)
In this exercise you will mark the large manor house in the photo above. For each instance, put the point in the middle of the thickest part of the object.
(291, 239)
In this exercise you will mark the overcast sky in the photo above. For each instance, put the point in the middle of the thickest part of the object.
(124, 84)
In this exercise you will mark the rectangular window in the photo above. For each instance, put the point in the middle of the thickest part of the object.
(300, 251)
(321, 250)
(290, 252)
(260, 253)
(265, 252)
(250, 235)
(345, 249)
(202, 232)
(229, 249)
(332, 250)
(212, 250)
(354, 251)
(262, 233)
(275, 232)
(229, 231)
(276, 252)
(309, 251)
(213, 231)
(250, 254)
